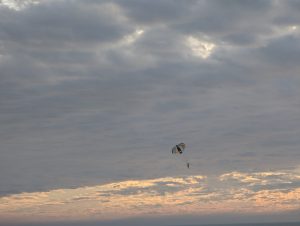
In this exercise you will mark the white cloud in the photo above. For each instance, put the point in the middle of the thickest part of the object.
(200, 48)
(131, 38)
(18, 4)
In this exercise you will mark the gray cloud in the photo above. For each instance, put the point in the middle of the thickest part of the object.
(85, 101)
(57, 23)
(145, 12)
(284, 51)
(227, 18)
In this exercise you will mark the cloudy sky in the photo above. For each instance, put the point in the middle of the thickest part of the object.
(94, 94)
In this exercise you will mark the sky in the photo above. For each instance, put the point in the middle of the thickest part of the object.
(94, 95)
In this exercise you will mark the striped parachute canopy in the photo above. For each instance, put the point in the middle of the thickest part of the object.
(178, 148)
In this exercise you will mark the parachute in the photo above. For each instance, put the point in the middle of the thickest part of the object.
(178, 149)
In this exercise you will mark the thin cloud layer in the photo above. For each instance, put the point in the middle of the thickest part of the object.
(195, 195)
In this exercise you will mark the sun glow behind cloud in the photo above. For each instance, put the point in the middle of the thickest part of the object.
(261, 192)
(200, 48)
(129, 39)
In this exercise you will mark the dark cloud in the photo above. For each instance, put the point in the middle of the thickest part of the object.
(57, 23)
(240, 38)
(292, 18)
(283, 51)
(227, 17)
(149, 12)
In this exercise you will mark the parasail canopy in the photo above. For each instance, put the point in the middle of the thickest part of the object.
(178, 148)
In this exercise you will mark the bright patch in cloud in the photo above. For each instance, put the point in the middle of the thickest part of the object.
(129, 39)
(199, 47)
(17, 4)
(293, 28)
(228, 193)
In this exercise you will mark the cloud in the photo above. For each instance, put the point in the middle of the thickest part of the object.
(161, 12)
(63, 23)
(196, 195)
(200, 48)
(282, 51)
(17, 4)
(218, 18)
(98, 92)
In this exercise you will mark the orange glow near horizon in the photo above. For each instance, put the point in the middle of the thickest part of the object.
(265, 192)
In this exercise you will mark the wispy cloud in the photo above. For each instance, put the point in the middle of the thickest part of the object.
(234, 192)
